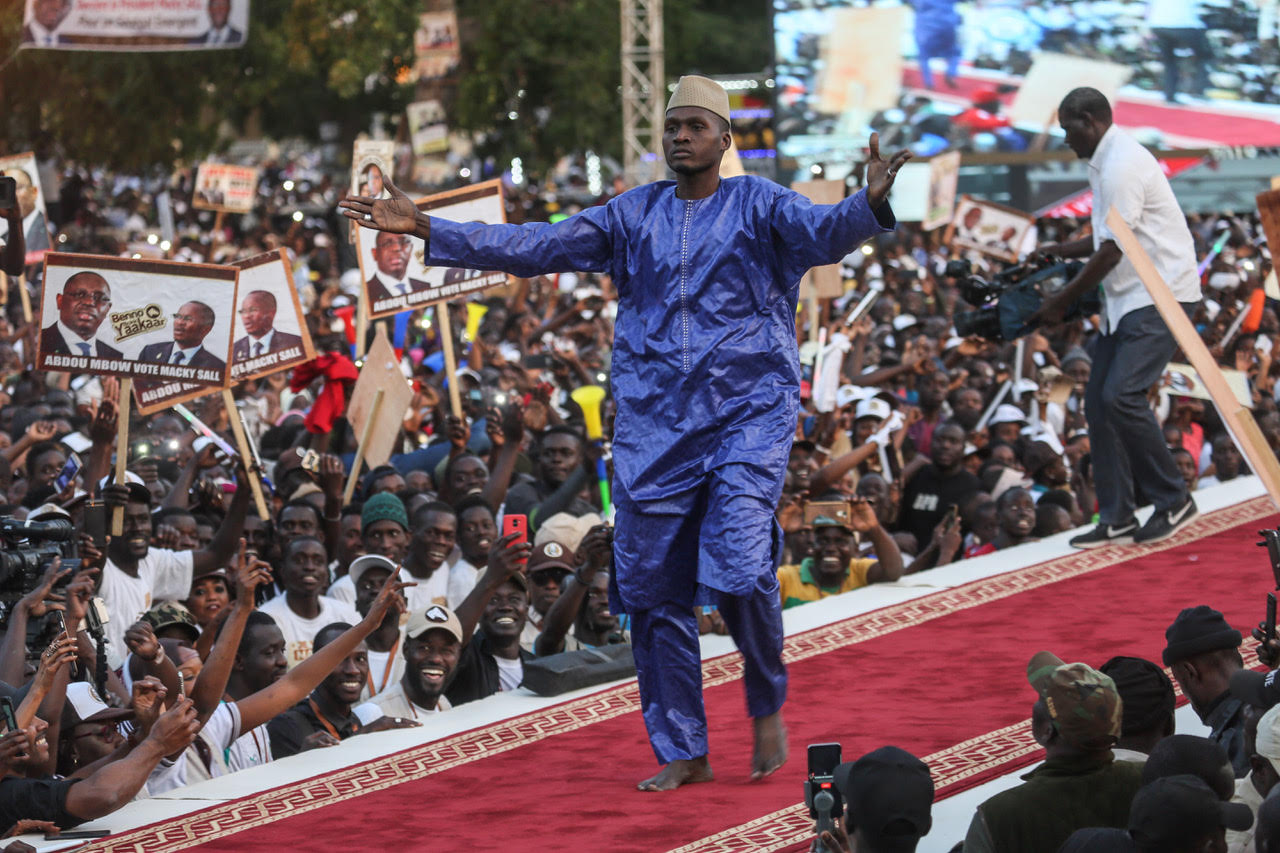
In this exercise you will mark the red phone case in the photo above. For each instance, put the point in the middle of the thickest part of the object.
(516, 524)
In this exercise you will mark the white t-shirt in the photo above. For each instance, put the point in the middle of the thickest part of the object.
(299, 633)
(385, 668)
(163, 575)
(394, 702)
(462, 579)
(510, 673)
(229, 751)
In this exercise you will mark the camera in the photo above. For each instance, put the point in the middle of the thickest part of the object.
(26, 549)
(8, 191)
(820, 792)
(1007, 301)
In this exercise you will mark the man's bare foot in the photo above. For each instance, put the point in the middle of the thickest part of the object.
(771, 745)
(680, 772)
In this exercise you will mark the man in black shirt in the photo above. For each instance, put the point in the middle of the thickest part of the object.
(937, 486)
(563, 473)
(324, 718)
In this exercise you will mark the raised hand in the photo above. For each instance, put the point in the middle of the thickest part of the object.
(507, 557)
(862, 516)
(177, 727)
(397, 214)
(389, 597)
(142, 641)
(148, 700)
(882, 173)
(59, 653)
(42, 599)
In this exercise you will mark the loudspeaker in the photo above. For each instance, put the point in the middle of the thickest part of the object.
(556, 674)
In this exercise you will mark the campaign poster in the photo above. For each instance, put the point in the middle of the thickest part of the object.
(162, 322)
(35, 223)
(944, 175)
(989, 228)
(428, 130)
(372, 160)
(394, 267)
(435, 45)
(135, 25)
(226, 188)
(271, 329)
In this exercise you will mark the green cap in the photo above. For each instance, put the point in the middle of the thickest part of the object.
(169, 614)
(1083, 703)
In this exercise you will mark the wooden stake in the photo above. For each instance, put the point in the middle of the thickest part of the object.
(365, 432)
(1238, 418)
(246, 455)
(450, 364)
(26, 297)
(122, 448)
(362, 322)
(4, 288)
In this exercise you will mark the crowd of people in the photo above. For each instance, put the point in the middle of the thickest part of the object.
(235, 639)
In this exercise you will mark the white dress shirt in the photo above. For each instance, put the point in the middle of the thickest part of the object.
(1123, 174)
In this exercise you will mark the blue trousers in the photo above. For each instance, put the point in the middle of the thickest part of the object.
(1125, 441)
(723, 551)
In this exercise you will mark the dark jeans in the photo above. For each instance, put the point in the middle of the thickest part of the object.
(1126, 443)
(1173, 38)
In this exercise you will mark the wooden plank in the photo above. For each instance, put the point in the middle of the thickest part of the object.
(1238, 419)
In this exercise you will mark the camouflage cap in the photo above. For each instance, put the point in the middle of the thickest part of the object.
(170, 614)
(1083, 703)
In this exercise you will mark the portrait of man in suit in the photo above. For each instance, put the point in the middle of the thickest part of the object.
(391, 254)
(46, 17)
(191, 325)
(34, 229)
(258, 314)
(220, 29)
(82, 306)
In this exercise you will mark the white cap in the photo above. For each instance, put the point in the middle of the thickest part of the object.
(435, 616)
(87, 707)
(360, 565)
(566, 529)
(872, 407)
(852, 394)
(904, 321)
(1007, 413)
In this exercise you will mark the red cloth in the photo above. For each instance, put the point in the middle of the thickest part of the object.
(331, 402)
(928, 676)
(976, 119)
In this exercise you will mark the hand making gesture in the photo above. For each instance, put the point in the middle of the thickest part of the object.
(881, 173)
(397, 214)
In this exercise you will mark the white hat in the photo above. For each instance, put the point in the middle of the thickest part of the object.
(904, 321)
(1007, 413)
(852, 394)
(360, 565)
(435, 616)
(872, 407)
(566, 529)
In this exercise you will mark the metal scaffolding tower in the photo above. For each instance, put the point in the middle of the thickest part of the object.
(643, 89)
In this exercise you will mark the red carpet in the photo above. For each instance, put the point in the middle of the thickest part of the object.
(941, 676)
(1218, 122)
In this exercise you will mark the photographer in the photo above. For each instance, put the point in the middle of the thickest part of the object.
(888, 796)
(1135, 345)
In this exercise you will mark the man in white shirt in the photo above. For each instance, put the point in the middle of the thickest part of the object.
(137, 575)
(433, 641)
(386, 664)
(477, 531)
(1177, 25)
(1135, 345)
(302, 611)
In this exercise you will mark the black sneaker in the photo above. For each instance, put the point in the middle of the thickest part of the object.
(1104, 535)
(1164, 524)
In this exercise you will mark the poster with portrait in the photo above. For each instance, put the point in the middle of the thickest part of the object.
(35, 222)
(135, 25)
(944, 175)
(271, 332)
(989, 228)
(224, 187)
(428, 129)
(126, 317)
(435, 45)
(1182, 380)
(394, 268)
(371, 160)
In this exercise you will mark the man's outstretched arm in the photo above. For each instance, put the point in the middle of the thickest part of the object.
(581, 243)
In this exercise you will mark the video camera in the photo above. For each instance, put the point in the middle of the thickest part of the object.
(1012, 295)
(26, 549)
(820, 792)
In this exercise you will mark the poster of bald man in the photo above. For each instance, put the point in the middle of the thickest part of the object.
(35, 224)
(394, 265)
(162, 322)
(271, 330)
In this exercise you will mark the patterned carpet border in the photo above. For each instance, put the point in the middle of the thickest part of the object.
(959, 762)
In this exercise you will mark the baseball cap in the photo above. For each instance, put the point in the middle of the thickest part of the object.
(84, 705)
(904, 321)
(1260, 689)
(1170, 811)
(550, 556)
(172, 614)
(360, 565)
(1197, 630)
(847, 394)
(872, 407)
(1007, 413)
(437, 616)
(566, 529)
(888, 793)
(1083, 703)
